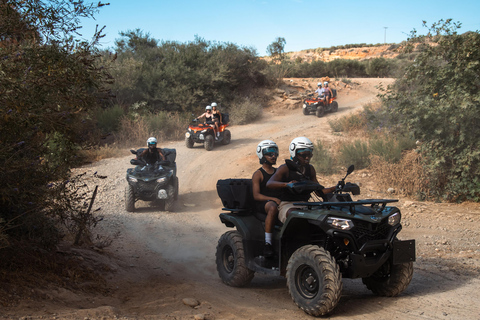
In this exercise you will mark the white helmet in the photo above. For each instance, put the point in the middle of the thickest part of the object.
(266, 146)
(299, 144)
(326, 83)
(319, 84)
(214, 104)
(151, 140)
(208, 108)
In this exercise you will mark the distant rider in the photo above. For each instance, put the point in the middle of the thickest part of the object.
(266, 200)
(152, 154)
(217, 117)
(301, 152)
(209, 119)
(319, 90)
(327, 93)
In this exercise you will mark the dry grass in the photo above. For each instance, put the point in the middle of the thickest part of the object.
(408, 176)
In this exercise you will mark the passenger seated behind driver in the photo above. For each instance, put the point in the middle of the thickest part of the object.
(266, 200)
(301, 152)
(209, 119)
(327, 93)
(152, 154)
(217, 117)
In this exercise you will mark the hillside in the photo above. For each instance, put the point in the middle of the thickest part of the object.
(360, 53)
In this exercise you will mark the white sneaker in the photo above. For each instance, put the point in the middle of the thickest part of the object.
(218, 134)
(216, 138)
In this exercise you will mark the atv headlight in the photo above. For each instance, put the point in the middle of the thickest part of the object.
(203, 131)
(132, 179)
(339, 223)
(315, 103)
(304, 106)
(187, 134)
(394, 219)
(161, 180)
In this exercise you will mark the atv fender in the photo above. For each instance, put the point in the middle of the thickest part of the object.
(248, 226)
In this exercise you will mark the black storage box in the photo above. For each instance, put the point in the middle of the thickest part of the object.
(236, 193)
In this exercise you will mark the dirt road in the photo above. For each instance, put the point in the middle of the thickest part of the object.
(160, 258)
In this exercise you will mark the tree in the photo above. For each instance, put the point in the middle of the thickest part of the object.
(276, 49)
(49, 79)
(438, 101)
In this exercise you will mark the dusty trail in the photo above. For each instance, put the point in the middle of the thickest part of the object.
(160, 258)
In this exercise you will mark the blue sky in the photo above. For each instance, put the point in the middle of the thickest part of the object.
(304, 24)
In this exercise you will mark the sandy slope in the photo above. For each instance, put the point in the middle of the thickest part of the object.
(160, 258)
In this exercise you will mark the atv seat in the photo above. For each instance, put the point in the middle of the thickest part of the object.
(237, 195)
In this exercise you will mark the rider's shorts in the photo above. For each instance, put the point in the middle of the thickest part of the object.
(284, 207)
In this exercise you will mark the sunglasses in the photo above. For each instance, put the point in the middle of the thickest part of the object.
(305, 154)
(271, 154)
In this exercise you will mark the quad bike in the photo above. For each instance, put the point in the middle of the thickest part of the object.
(317, 105)
(157, 183)
(204, 133)
(317, 245)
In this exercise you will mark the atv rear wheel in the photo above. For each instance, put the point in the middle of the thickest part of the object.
(390, 280)
(129, 198)
(189, 142)
(230, 259)
(176, 187)
(320, 111)
(334, 106)
(209, 140)
(227, 136)
(306, 112)
(314, 280)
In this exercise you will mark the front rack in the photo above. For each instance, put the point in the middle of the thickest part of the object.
(374, 203)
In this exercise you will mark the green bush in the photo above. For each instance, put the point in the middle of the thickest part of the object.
(244, 111)
(444, 120)
(108, 120)
(322, 159)
(356, 153)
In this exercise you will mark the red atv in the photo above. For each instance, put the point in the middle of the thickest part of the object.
(317, 105)
(204, 133)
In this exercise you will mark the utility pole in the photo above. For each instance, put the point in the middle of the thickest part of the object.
(385, 36)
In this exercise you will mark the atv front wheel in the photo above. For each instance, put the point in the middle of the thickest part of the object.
(129, 198)
(230, 259)
(170, 202)
(314, 280)
(176, 187)
(320, 111)
(334, 106)
(227, 136)
(390, 280)
(209, 142)
(306, 112)
(189, 142)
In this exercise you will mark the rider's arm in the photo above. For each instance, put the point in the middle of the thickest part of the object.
(160, 152)
(202, 115)
(277, 181)
(313, 175)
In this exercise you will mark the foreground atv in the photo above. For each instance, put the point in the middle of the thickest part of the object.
(316, 246)
(317, 105)
(157, 183)
(204, 133)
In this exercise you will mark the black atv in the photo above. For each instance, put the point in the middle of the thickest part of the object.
(317, 245)
(317, 105)
(157, 183)
(204, 133)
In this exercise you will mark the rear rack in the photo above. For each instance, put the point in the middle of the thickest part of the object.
(374, 203)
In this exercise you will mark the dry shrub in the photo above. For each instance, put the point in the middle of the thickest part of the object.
(408, 176)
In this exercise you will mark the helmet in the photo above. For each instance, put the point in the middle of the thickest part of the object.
(214, 104)
(151, 141)
(319, 84)
(298, 144)
(266, 146)
(208, 108)
(326, 83)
